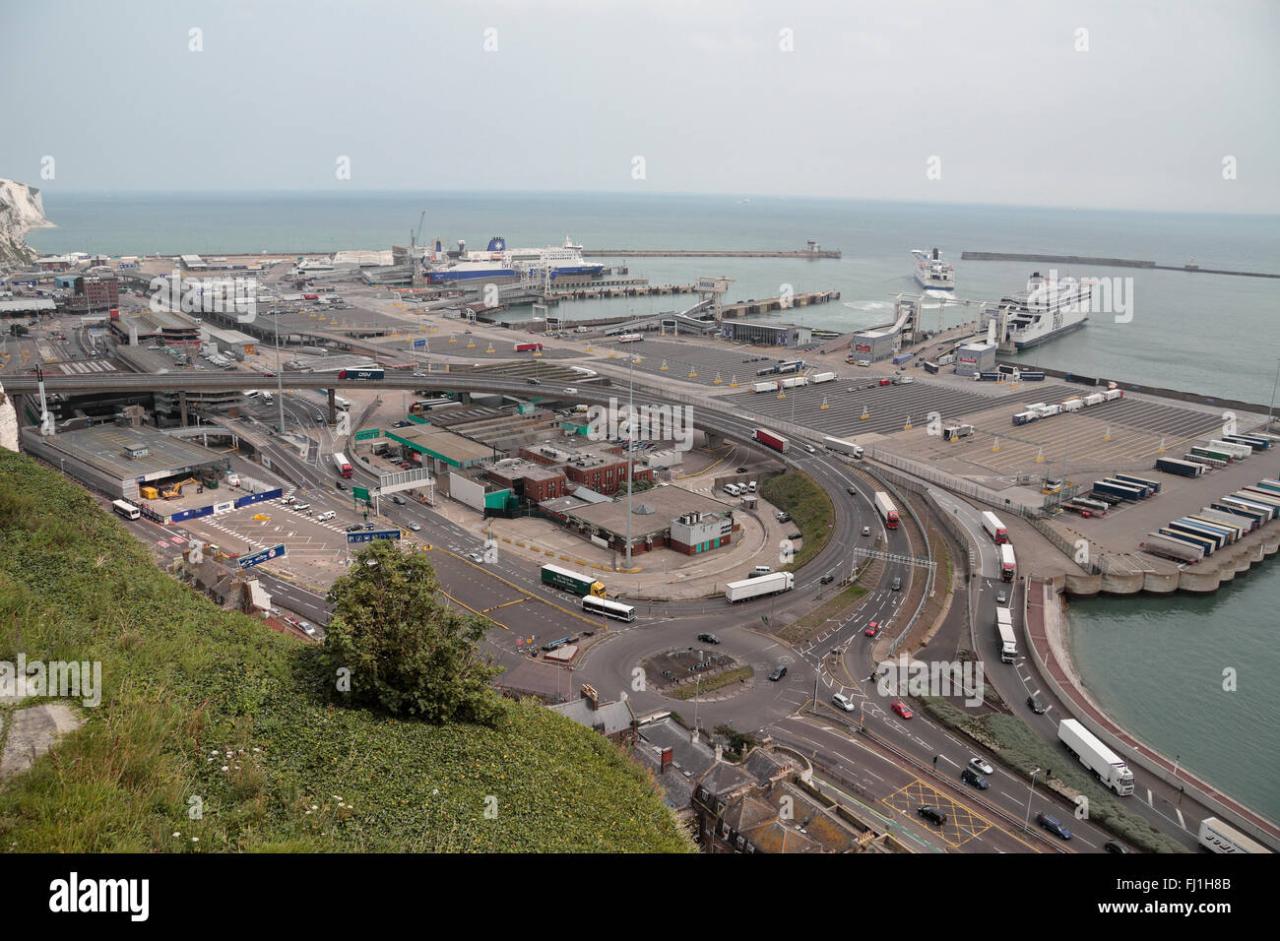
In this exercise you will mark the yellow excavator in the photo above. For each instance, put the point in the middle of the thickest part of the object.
(174, 490)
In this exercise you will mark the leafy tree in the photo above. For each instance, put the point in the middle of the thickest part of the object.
(406, 650)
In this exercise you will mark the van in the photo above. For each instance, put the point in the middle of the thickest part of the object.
(751, 487)
(732, 490)
(897, 583)
(301, 507)
(843, 702)
(326, 516)
(761, 570)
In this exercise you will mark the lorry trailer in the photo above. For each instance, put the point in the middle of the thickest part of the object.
(955, 432)
(1173, 465)
(1219, 837)
(1238, 451)
(1199, 542)
(994, 528)
(1113, 488)
(888, 512)
(841, 446)
(1096, 756)
(1152, 485)
(344, 466)
(1168, 548)
(1008, 640)
(1008, 563)
(771, 440)
(570, 581)
(759, 587)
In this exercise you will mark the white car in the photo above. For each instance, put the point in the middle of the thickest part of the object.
(841, 701)
(981, 765)
(307, 628)
(326, 516)
(476, 557)
(571, 391)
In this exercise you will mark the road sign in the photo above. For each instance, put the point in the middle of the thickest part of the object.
(368, 434)
(420, 344)
(369, 535)
(262, 555)
(360, 493)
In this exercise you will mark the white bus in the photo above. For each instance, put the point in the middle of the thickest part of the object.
(126, 509)
(610, 609)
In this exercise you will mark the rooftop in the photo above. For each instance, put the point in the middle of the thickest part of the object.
(104, 446)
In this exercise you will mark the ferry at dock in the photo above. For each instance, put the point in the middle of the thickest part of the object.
(1050, 308)
(498, 262)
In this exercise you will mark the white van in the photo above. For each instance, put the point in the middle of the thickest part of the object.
(733, 490)
(326, 516)
(751, 487)
(301, 507)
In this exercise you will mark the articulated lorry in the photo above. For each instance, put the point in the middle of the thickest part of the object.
(758, 587)
(1096, 756)
(1008, 640)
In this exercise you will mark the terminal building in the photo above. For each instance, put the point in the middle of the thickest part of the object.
(973, 358)
(766, 334)
(661, 518)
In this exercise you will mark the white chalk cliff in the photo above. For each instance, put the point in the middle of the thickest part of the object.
(21, 210)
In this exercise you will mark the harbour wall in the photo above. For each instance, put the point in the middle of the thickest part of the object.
(1107, 263)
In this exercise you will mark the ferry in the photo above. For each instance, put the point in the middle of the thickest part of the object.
(499, 262)
(1050, 308)
(312, 266)
(932, 272)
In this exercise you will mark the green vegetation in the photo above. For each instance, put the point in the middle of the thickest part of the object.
(810, 507)
(739, 743)
(216, 729)
(727, 678)
(1019, 747)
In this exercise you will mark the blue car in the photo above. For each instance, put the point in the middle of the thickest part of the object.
(1054, 826)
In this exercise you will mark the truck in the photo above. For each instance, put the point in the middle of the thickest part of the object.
(1218, 837)
(841, 446)
(956, 432)
(1096, 756)
(995, 529)
(1025, 418)
(1173, 465)
(528, 347)
(770, 439)
(1008, 640)
(360, 375)
(573, 582)
(760, 586)
(888, 512)
(1008, 563)
(342, 464)
(764, 387)
(821, 377)
(631, 338)
(794, 382)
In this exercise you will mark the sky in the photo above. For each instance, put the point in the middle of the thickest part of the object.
(1162, 105)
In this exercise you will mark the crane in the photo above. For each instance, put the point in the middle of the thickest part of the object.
(414, 237)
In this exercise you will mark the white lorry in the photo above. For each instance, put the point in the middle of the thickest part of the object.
(1096, 756)
(1008, 640)
(759, 586)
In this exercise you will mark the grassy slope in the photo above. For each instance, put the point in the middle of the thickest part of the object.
(810, 508)
(186, 682)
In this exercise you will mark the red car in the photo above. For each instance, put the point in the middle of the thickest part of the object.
(901, 709)
(873, 628)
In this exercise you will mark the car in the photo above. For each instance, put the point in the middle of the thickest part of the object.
(533, 382)
(354, 528)
(972, 778)
(1053, 825)
(325, 516)
(397, 499)
(402, 424)
(872, 629)
(369, 525)
(709, 638)
(981, 765)
(761, 570)
(932, 814)
(570, 391)
(811, 449)
(897, 583)
(777, 674)
(901, 709)
(307, 628)
(866, 530)
(841, 701)
(862, 362)
(340, 485)
(1111, 846)
(853, 491)
(416, 527)
(1002, 598)
(783, 516)
(1033, 701)
(475, 557)
(826, 579)
(742, 470)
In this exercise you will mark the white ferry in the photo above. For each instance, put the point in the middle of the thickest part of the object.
(1049, 308)
(932, 272)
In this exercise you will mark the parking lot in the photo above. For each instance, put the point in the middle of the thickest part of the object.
(694, 362)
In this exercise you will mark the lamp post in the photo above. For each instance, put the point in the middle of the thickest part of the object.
(1026, 824)
(631, 440)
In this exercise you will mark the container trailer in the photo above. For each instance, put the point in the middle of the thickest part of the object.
(1025, 418)
(1271, 486)
(841, 446)
(821, 377)
(1154, 485)
(1008, 639)
(1238, 451)
(1032, 375)
(573, 582)
(1213, 463)
(888, 512)
(1173, 465)
(1008, 563)
(1254, 444)
(1143, 489)
(342, 464)
(771, 440)
(1218, 837)
(1217, 537)
(1112, 488)
(994, 528)
(955, 432)
(764, 387)
(1168, 548)
(749, 588)
(1096, 756)
(1199, 542)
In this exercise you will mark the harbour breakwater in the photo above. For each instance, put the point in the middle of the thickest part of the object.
(1104, 262)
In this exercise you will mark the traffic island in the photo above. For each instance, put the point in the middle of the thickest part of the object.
(696, 672)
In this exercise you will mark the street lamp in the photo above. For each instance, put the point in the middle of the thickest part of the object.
(1026, 824)
(631, 441)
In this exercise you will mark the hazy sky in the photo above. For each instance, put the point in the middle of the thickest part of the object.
(838, 99)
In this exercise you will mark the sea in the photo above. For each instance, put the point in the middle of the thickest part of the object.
(1195, 676)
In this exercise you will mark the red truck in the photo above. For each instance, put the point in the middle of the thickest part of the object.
(528, 347)
(771, 440)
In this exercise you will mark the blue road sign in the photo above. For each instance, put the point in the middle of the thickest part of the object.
(369, 535)
(262, 555)
(420, 344)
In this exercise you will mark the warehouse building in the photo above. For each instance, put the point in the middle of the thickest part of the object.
(664, 517)
(765, 334)
(973, 358)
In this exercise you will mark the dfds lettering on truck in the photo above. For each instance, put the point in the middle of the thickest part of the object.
(771, 440)
(1008, 563)
(995, 529)
(888, 512)
(1096, 756)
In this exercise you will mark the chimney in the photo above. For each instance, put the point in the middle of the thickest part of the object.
(591, 696)
(665, 759)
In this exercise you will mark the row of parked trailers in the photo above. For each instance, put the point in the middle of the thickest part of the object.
(1196, 536)
(793, 382)
(1217, 453)
(1074, 404)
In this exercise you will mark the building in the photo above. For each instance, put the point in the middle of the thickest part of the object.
(55, 263)
(27, 306)
(90, 293)
(766, 334)
(232, 342)
(599, 466)
(162, 326)
(663, 517)
(875, 344)
(533, 483)
(973, 358)
(614, 720)
(700, 532)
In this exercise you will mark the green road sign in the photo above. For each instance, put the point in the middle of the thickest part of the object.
(368, 434)
(360, 493)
